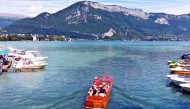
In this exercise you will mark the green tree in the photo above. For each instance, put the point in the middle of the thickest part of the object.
(3, 38)
(14, 38)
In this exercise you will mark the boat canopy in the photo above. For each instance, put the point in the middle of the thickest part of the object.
(4, 51)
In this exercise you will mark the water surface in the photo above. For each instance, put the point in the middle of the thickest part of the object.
(138, 68)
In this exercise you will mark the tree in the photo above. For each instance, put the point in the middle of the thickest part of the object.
(3, 38)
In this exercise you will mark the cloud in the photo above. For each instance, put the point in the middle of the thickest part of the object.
(182, 9)
(34, 8)
(167, 6)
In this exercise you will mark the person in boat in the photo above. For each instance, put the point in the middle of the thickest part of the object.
(106, 87)
(93, 90)
(97, 81)
(102, 91)
(90, 91)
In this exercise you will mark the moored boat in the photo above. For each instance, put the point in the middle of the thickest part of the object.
(26, 54)
(179, 65)
(180, 80)
(174, 75)
(99, 93)
(180, 70)
(28, 63)
(171, 62)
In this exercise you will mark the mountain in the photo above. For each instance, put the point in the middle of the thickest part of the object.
(88, 19)
(7, 19)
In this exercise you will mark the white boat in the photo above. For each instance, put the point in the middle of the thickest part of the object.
(31, 57)
(27, 63)
(172, 75)
(12, 52)
(177, 75)
(27, 54)
(36, 55)
(180, 80)
(185, 86)
(174, 65)
(178, 69)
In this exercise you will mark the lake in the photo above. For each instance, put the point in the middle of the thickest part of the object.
(138, 68)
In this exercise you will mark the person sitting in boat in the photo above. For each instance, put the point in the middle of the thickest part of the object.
(93, 91)
(97, 81)
(106, 88)
(90, 91)
(102, 90)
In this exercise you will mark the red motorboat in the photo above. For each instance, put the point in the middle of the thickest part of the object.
(99, 93)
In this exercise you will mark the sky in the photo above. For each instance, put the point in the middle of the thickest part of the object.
(34, 7)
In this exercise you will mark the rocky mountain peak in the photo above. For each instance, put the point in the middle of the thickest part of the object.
(77, 14)
(114, 8)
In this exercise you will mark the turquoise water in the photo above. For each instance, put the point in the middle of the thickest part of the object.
(138, 68)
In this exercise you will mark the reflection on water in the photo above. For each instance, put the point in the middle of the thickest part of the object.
(139, 70)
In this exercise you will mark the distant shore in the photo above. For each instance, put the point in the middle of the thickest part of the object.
(37, 37)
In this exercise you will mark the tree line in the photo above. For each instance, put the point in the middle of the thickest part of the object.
(28, 37)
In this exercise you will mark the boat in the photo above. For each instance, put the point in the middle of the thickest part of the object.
(177, 75)
(174, 75)
(183, 59)
(170, 62)
(27, 63)
(26, 54)
(99, 93)
(174, 65)
(185, 86)
(181, 70)
(36, 55)
(180, 80)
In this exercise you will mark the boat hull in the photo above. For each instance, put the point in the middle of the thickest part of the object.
(95, 104)
(181, 72)
(180, 80)
(170, 62)
(32, 66)
(186, 89)
(185, 86)
(177, 83)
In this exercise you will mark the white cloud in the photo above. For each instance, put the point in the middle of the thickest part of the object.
(183, 9)
(34, 8)
(167, 6)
